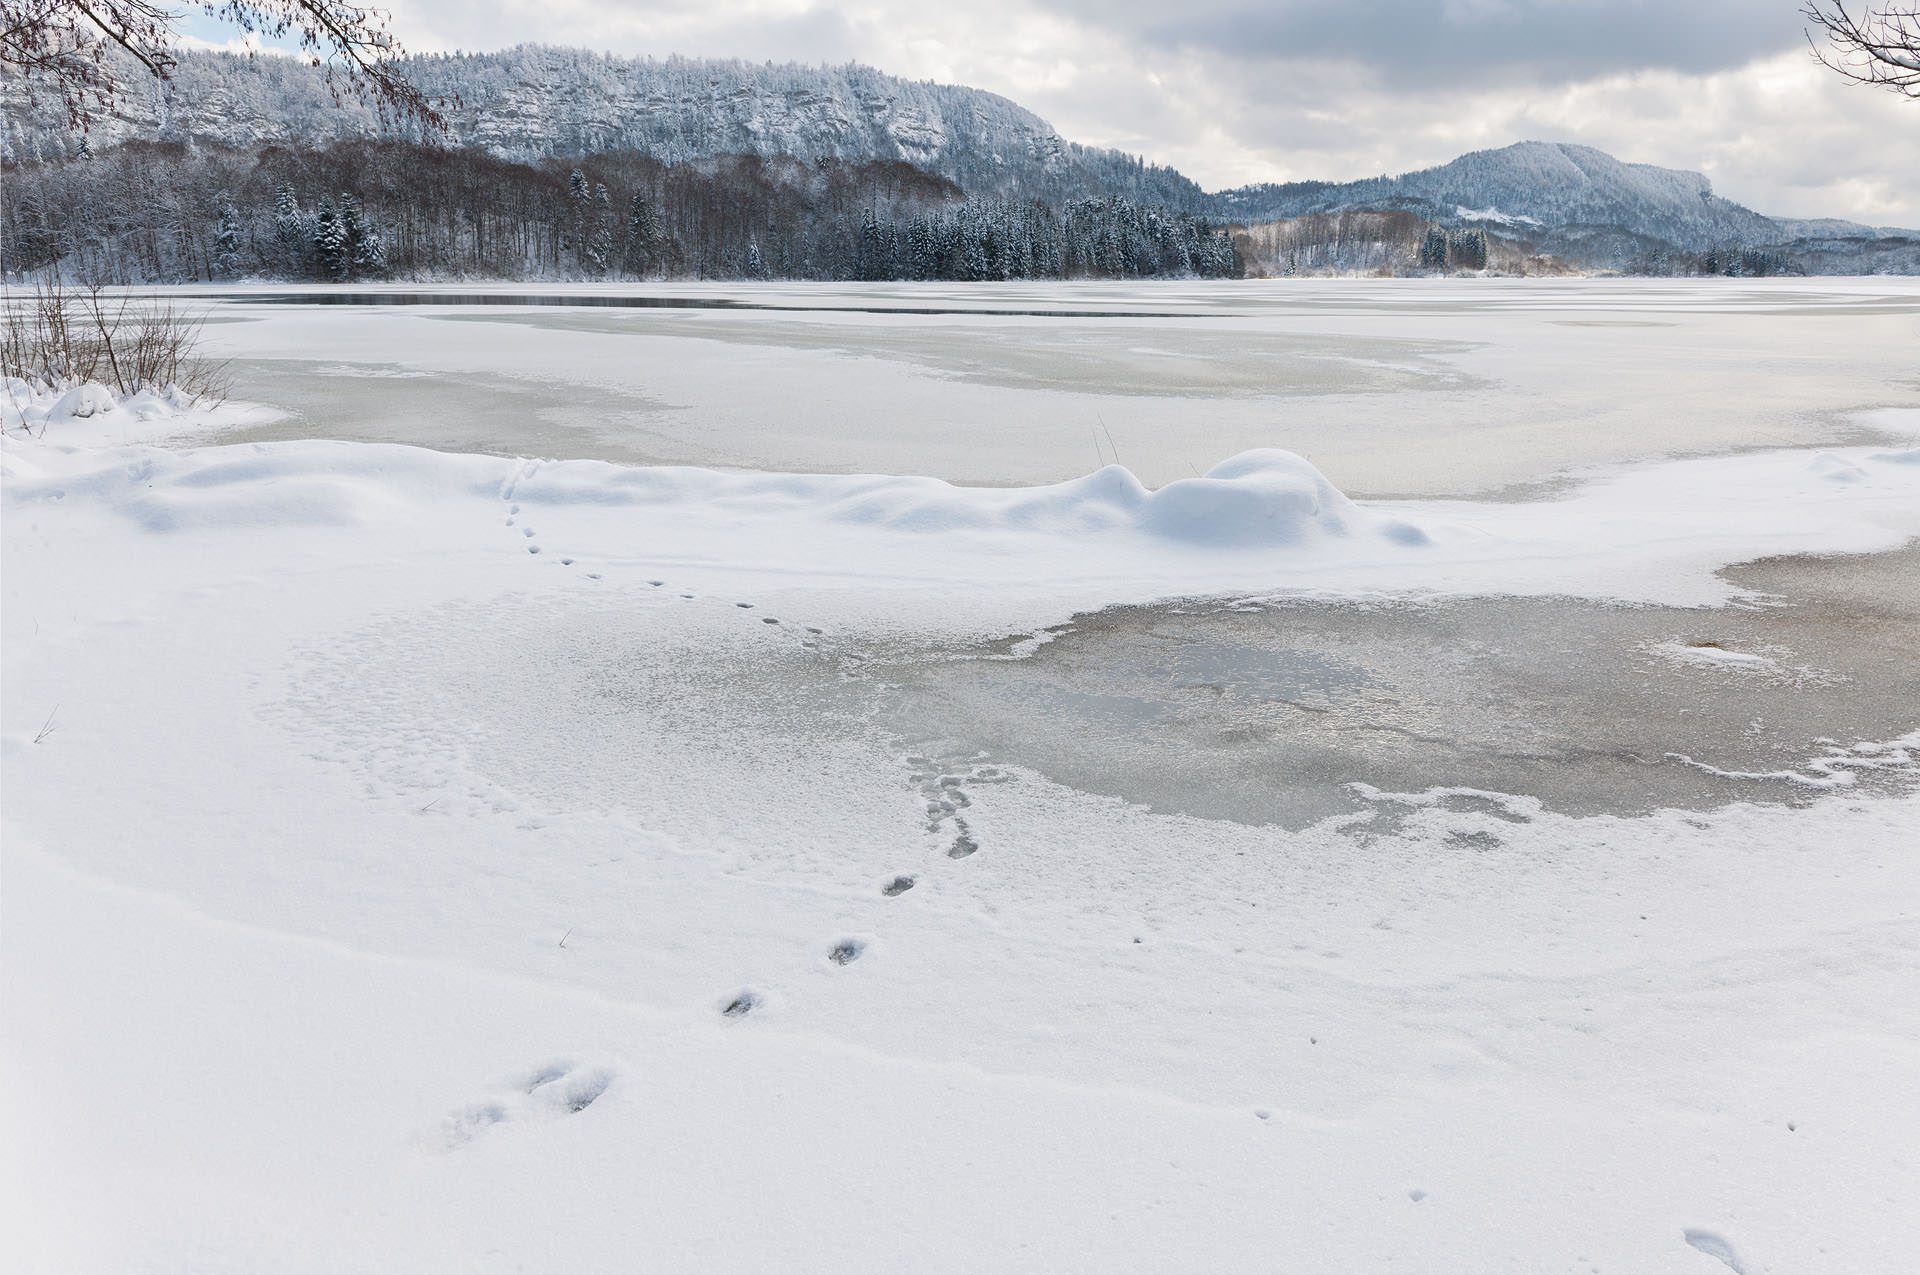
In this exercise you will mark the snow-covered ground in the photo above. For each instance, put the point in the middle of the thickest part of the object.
(455, 862)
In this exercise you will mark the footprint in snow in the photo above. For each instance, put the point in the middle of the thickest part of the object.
(1714, 1246)
(561, 1087)
(847, 951)
(741, 1003)
(897, 886)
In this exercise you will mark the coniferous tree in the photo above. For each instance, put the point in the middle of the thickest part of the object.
(330, 242)
(292, 236)
(227, 239)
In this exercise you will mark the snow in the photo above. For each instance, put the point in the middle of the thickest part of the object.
(1711, 656)
(91, 415)
(388, 831)
(1494, 215)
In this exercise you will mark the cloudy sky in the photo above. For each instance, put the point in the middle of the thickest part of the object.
(1235, 91)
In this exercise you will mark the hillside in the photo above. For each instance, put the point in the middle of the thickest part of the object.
(534, 102)
(1555, 193)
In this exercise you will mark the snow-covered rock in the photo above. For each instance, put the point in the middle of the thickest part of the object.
(82, 402)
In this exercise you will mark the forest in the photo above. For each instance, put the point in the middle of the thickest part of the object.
(167, 212)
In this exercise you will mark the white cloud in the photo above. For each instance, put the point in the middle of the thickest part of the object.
(1771, 128)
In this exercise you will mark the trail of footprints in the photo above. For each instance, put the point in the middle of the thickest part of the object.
(943, 789)
(560, 1087)
(530, 536)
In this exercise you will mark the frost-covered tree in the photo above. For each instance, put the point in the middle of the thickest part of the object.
(1467, 249)
(644, 240)
(330, 249)
(292, 234)
(364, 253)
(227, 236)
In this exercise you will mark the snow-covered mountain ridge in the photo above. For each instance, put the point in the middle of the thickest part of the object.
(534, 102)
(1552, 186)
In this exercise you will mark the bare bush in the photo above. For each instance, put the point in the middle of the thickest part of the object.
(58, 337)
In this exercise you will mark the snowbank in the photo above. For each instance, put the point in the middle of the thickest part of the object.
(1258, 522)
(91, 415)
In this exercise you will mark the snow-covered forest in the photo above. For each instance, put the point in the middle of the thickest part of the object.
(168, 212)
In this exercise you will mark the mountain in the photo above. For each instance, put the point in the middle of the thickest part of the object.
(533, 102)
(1558, 194)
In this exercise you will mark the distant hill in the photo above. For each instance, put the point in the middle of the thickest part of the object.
(1553, 192)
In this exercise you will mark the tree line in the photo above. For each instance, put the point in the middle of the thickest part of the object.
(146, 212)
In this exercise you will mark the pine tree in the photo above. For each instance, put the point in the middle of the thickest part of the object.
(330, 242)
(1468, 249)
(226, 239)
(365, 253)
(873, 254)
(292, 236)
(599, 233)
(643, 237)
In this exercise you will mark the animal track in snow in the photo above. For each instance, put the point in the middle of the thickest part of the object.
(896, 887)
(1714, 1246)
(847, 951)
(944, 788)
(561, 1087)
(742, 1003)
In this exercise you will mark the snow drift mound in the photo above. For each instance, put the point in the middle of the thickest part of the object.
(1266, 499)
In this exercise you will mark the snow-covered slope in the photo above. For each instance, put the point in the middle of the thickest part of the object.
(534, 101)
(1553, 185)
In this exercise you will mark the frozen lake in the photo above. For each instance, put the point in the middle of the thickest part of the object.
(1392, 387)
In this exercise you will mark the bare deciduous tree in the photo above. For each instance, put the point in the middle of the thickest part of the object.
(1875, 46)
(66, 45)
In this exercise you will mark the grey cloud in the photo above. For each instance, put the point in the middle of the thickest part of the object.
(1443, 42)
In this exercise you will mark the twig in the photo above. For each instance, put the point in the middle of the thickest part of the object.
(1110, 446)
(49, 728)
